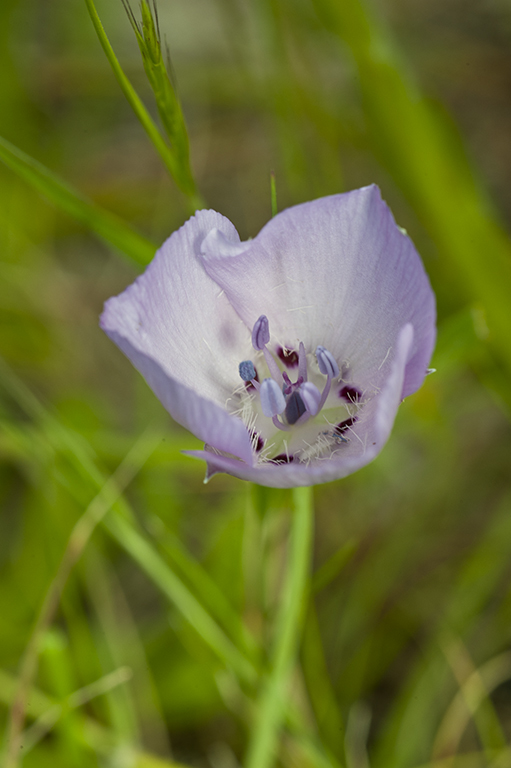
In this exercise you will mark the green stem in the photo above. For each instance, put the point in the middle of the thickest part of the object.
(272, 703)
(139, 109)
(273, 189)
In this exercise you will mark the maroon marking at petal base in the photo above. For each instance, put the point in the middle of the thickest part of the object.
(344, 425)
(258, 446)
(352, 394)
(282, 458)
(288, 356)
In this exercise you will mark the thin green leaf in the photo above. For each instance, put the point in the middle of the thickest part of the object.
(421, 148)
(108, 226)
(273, 190)
(124, 531)
(167, 101)
(173, 161)
(120, 526)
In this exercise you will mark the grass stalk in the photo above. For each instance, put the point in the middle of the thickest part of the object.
(272, 704)
(80, 536)
(178, 169)
(109, 227)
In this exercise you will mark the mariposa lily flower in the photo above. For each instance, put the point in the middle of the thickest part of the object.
(289, 354)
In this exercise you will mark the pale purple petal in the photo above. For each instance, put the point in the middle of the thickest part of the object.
(203, 418)
(366, 438)
(181, 333)
(336, 272)
(178, 316)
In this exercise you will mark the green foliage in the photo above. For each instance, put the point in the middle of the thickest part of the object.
(110, 228)
(149, 620)
(167, 102)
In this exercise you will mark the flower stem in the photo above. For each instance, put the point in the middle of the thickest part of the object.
(272, 701)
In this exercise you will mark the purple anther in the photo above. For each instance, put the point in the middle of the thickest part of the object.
(261, 333)
(326, 362)
(273, 401)
(247, 370)
(311, 397)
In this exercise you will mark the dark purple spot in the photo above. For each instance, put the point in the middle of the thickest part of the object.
(352, 394)
(295, 407)
(344, 425)
(249, 385)
(288, 356)
(282, 458)
(258, 444)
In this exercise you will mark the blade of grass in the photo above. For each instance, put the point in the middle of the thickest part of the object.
(48, 720)
(271, 707)
(476, 688)
(81, 457)
(474, 694)
(209, 593)
(167, 101)
(165, 152)
(159, 572)
(123, 530)
(89, 732)
(425, 685)
(110, 228)
(423, 152)
(273, 193)
(317, 680)
(80, 536)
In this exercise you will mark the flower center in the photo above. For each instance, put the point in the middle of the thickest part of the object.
(302, 418)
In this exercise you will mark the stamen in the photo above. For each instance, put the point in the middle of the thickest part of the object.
(326, 362)
(260, 333)
(272, 366)
(325, 393)
(311, 397)
(273, 401)
(290, 404)
(247, 370)
(279, 424)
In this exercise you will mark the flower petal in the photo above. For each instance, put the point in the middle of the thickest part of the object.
(337, 272)
(367, 437)
(178, 316)
(203, 418)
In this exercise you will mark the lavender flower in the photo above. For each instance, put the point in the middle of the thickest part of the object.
(288, 354)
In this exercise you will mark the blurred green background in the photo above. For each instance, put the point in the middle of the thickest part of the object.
(405, 658)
